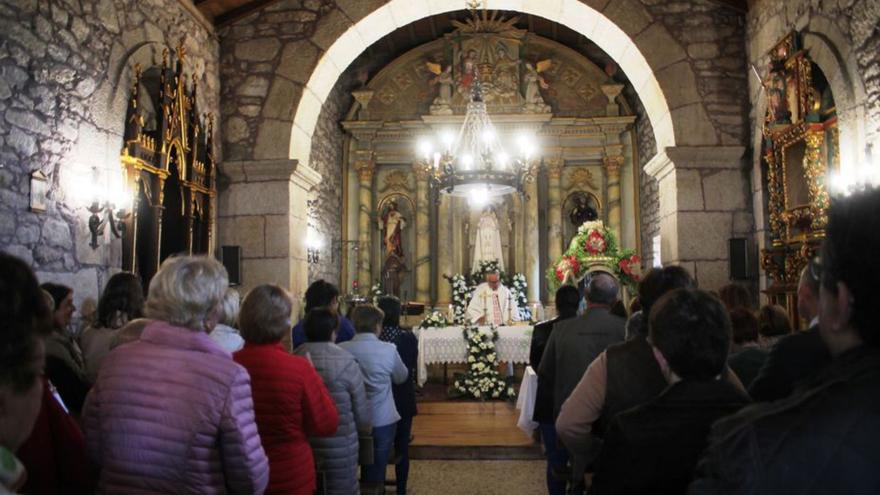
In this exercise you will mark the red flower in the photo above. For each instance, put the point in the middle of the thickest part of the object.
(595, 243)
(631, 267)
(567, 267)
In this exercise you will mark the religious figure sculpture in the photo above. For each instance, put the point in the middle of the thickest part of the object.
(487, 244)
(442, 78)
(534, 82)
(582, 211)
(504, 74)
(393, 223)
(492, 303)
(468, 72)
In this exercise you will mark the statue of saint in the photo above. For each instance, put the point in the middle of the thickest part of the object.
(534, 82)
(582, 211)
(468, 71)
(442, 78)
(392, 222)
(487, 244)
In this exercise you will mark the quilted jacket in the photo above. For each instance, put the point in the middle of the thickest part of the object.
(337, 456)
(172, 413)
(291, 403)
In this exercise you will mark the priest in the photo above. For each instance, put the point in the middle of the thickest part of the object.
(492, 303)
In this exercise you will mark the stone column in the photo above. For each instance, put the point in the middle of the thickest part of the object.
(444, 248)
(264, 211)
(703, 203)
(365, 166)
(422, 259)
(612, 179)
(532, 251)
(554, 205)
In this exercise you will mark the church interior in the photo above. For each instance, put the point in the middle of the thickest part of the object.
(417, 148)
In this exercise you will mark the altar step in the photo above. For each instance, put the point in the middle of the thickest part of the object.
(459, 430)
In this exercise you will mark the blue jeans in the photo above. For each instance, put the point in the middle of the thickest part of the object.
(383, 440)
(401, 445)
(557, 458)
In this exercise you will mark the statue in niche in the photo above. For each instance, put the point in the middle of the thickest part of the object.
(393, 223)
(534, 82)
(392, 271)
(487, 244)
(442, 78)
(583, 210)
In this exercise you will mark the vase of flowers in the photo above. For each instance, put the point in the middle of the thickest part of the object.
(435, 319)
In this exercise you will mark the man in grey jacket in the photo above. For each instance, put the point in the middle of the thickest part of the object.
(576, 342)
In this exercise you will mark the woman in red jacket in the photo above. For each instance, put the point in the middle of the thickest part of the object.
(290, 400)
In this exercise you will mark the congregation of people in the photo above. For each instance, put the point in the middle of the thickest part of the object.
(192, 389)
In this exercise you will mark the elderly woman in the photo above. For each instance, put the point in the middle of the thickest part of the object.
(225, 333)
(172, 412)
(121, 302)
(290, 399)
(25, 322)
(337, 456)
(64, 358)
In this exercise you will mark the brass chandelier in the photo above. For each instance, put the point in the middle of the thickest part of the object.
(475, 162)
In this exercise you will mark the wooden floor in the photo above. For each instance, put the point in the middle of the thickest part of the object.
(468, 424)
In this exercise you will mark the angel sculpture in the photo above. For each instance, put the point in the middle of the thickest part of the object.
(443, 78)
(534, 82)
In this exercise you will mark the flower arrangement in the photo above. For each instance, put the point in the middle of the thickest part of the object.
(519, 288)
(435, 319)
(376, 291)
(482, 380)
(594, 244)
(461, 296)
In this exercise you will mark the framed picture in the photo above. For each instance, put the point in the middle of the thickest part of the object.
(39, 189)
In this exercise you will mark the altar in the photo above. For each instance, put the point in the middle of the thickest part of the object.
(447, 345)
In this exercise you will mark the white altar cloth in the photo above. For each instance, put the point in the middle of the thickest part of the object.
(447, 345)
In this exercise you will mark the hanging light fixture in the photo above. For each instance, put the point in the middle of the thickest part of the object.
(475, 163)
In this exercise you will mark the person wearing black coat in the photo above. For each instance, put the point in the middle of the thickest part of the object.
(823, 438)
(405, 393)
(798, 356)
(653, 448)
(567, 300)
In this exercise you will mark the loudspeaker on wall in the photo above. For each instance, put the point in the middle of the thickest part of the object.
(738, 254)
(230, 256)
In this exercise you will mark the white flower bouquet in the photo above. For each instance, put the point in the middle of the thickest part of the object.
(435, 319)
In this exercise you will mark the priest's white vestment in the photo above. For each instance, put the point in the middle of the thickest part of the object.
(498, 306)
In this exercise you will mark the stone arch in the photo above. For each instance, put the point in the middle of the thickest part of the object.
(652, 59)
(829, 50)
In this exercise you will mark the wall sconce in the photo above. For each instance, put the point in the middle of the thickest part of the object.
(104, 211)
(313, 246)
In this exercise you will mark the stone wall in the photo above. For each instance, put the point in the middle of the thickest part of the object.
(64, 79)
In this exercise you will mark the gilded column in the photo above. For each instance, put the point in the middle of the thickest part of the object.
(423, 236)
(444, 248)
(613, 164)
(532, 250)
(554, 204)
(365, 167)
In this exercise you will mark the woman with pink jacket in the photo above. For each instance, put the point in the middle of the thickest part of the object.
(172, 412)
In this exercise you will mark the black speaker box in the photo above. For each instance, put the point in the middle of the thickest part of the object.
(739, 258)
(230, 256)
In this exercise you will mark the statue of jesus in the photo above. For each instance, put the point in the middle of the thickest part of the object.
(487, 245)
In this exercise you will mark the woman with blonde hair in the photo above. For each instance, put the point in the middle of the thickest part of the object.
(172, 412)
(290, 400)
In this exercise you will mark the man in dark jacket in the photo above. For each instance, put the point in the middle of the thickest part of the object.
(575, 343)
(654, 447)
(797, 356)
(567, 300)
(824, 437)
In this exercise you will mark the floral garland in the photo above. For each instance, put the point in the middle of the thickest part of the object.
(519, 288)
(435, 319)
(461, 297)
(595, 244)
(482, 380)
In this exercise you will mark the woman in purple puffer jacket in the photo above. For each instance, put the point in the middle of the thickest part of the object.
(172, 412)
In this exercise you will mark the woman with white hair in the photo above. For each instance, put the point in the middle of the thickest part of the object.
(173, 412)
(226, 332)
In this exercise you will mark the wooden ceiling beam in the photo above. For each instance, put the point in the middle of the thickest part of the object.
(241, 11)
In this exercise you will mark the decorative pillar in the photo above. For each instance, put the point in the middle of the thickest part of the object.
(423, 236)
(554, 205)
(613, 164)
(532, 251)
(444, 248)
(365, 166)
